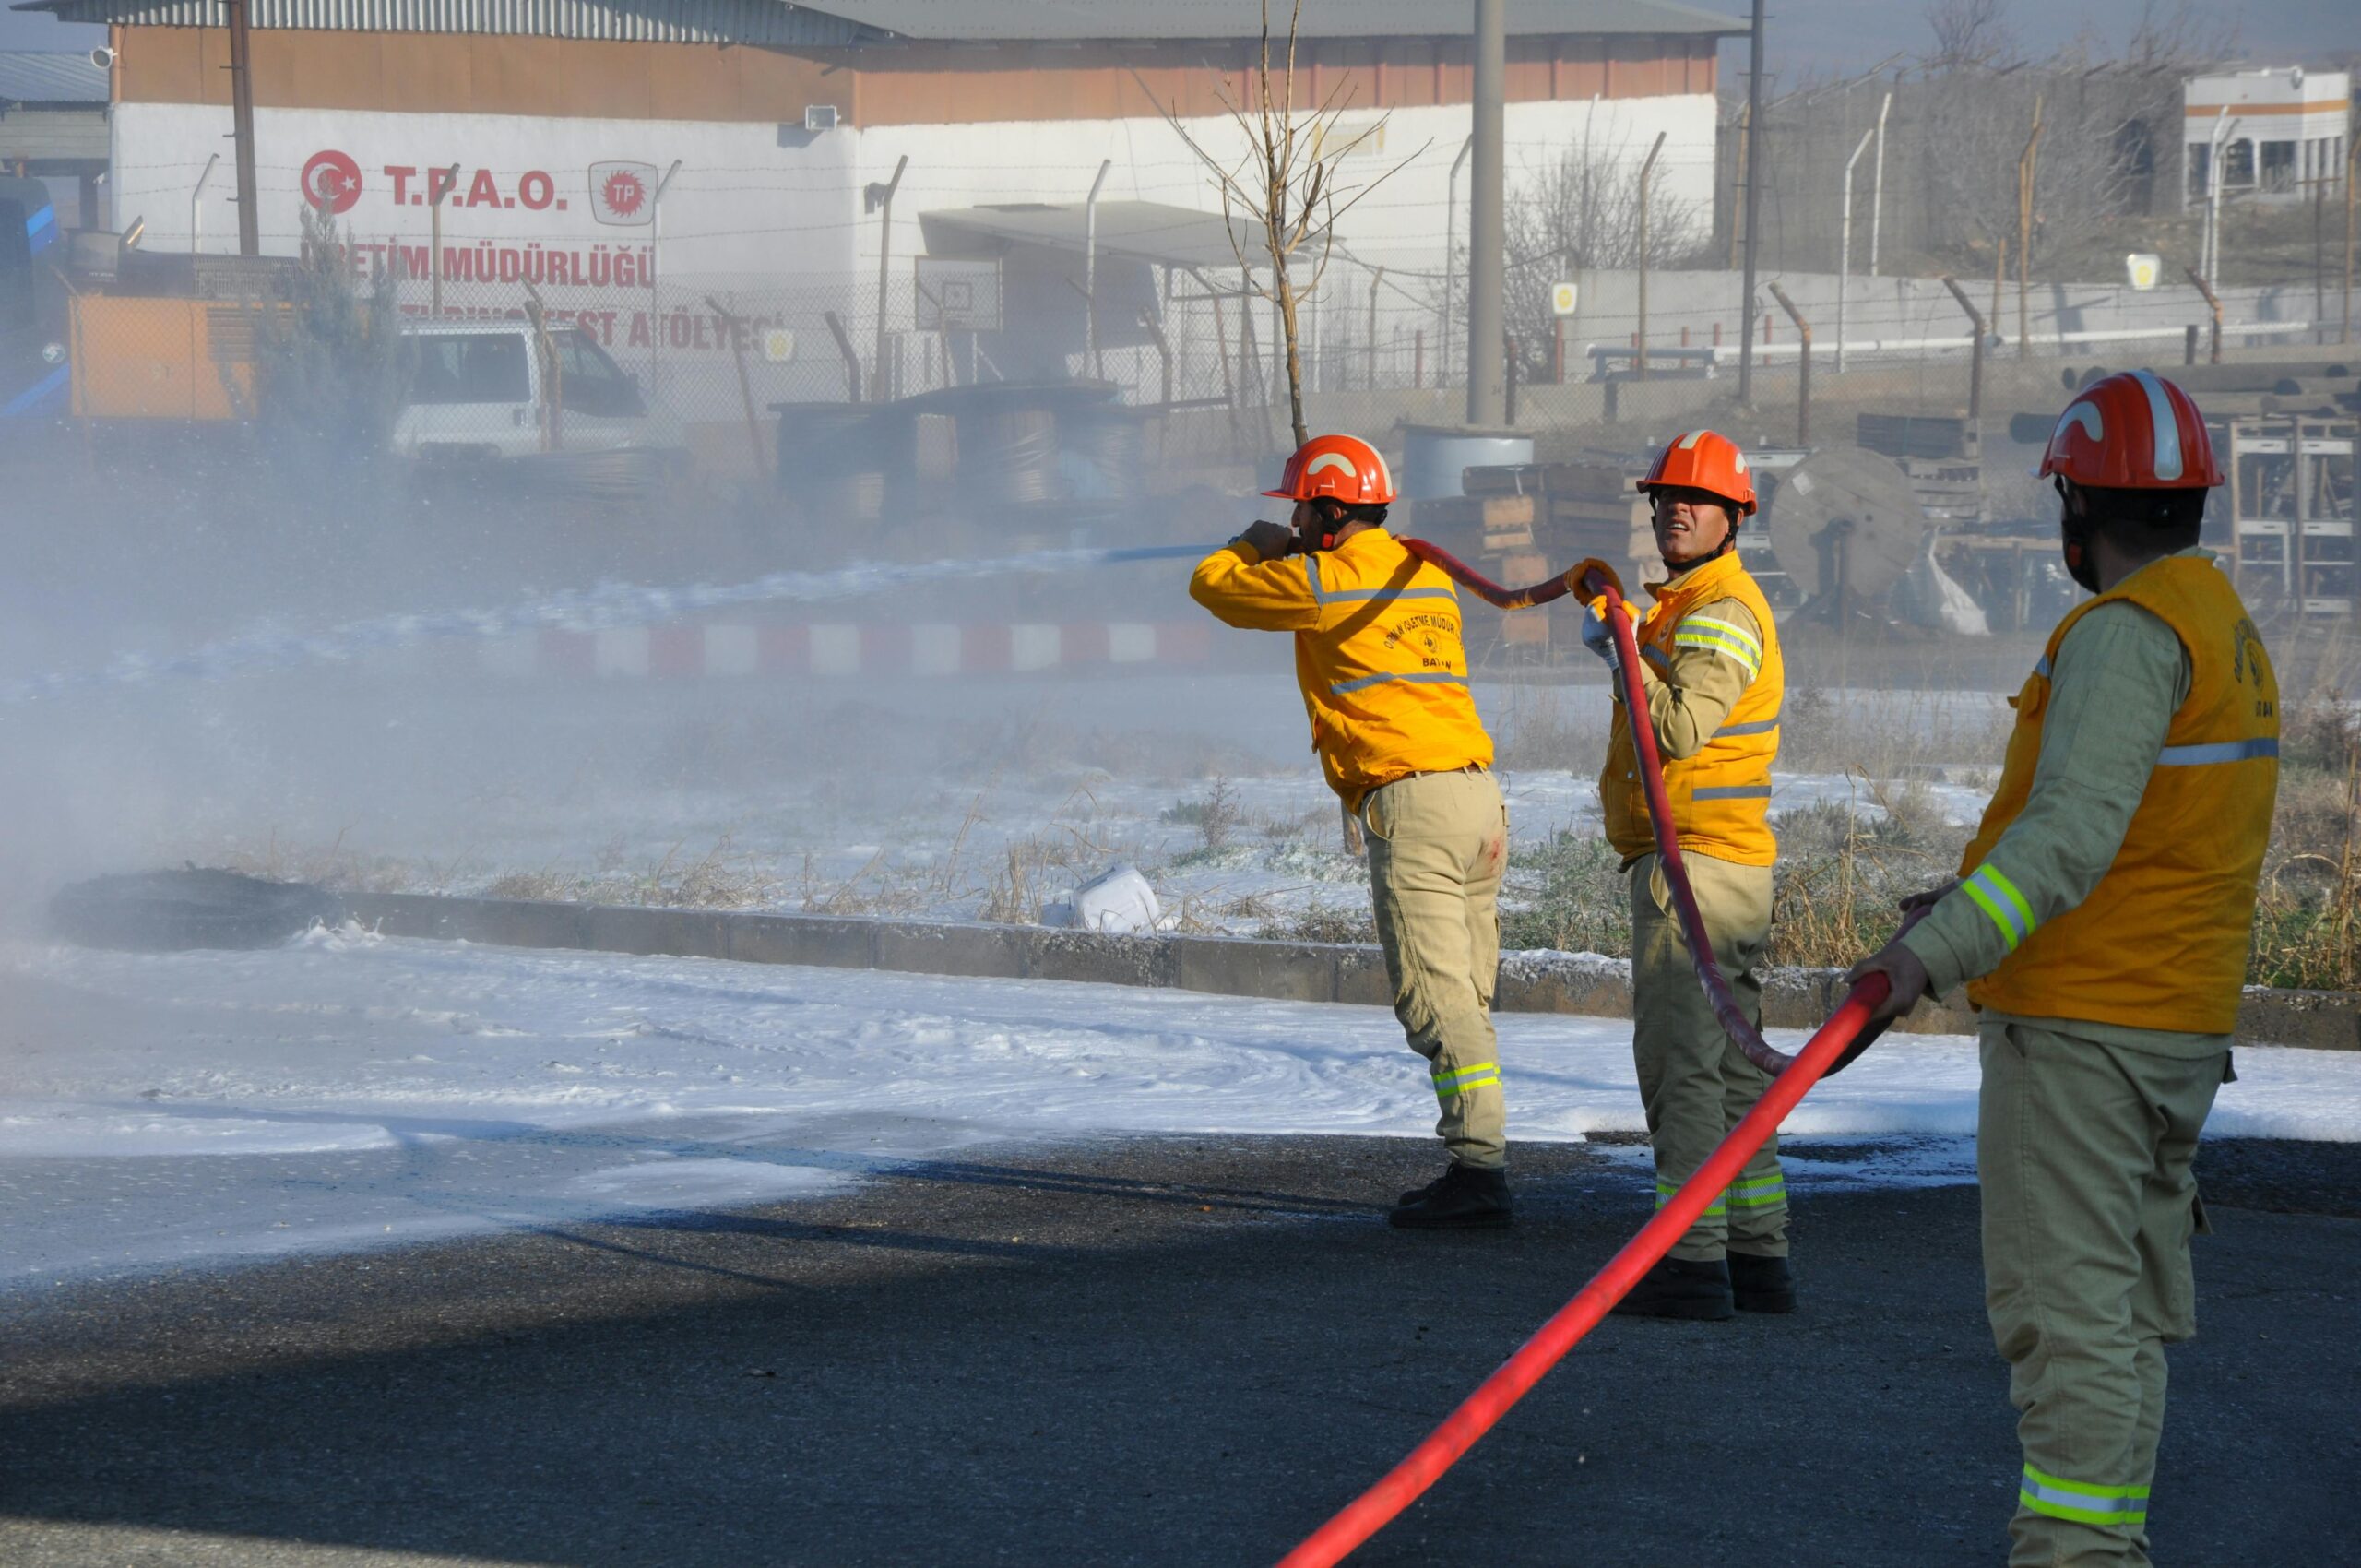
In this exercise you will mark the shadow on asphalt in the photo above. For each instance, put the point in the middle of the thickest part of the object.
(1160, 1352)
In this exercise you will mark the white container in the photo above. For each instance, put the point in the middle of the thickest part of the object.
(1433, 457)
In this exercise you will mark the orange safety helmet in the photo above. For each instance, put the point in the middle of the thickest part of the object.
(1342, 467)
(1704, 460)
(2132, 430)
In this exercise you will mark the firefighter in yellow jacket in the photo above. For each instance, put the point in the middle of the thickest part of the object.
(1710, 664)
(1379, 655)
(2102, 920)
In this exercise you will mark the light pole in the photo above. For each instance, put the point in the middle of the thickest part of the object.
(655, 264)
(2212, 247)
(1753, 164)
(1647, 172)
(196, 206)
(1450, 255)
(1844, 261)
(1090, 269)
(881, 196)
(1877, 187)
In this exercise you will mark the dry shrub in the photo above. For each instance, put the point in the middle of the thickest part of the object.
(1569, 896)
(1215, 815)
(2308, 910)
(1327, 922)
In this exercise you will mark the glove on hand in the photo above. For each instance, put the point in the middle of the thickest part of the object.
(1599, 637)
(1269, 540)
(1578, 577)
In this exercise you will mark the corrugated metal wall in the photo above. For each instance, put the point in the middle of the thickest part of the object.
(762, 22)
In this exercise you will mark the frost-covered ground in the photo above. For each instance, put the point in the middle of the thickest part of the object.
(349, 1091)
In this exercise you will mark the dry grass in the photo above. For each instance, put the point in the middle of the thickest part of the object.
(720, 878)
(337, 867)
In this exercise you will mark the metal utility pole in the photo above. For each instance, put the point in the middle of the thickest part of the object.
(2025, 167)
(1376, 278)
(1647, 171)
(2320, 258)
(242, 130)
(1486, 219)
(1877, 188)
(1754, 166)
(2351, 164)
(1089, 266)
(1844, 252)
(879, 386)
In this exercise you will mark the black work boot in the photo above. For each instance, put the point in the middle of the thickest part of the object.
(1762, 1285)
(1699, 1291)
(1464, 1197)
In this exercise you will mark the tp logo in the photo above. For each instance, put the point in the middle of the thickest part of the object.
(623, 194)
(332, 181)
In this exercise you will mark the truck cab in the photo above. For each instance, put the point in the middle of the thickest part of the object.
(503, 389)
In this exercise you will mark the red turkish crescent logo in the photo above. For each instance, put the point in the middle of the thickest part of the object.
(332, 181)
(624, 193)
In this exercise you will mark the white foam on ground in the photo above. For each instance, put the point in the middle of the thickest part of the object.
(351, 1090)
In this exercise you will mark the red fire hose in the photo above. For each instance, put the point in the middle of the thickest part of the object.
(1844, 1036)
(1643, 738)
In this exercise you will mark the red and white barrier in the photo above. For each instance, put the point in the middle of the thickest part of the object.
(935, 648)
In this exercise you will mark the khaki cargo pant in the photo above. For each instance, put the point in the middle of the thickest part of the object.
(2083, 1151)
(1694, 1084)
(1438, 843)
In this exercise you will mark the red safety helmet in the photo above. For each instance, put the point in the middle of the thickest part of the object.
(1342, 467)
(1704, 460)
(2132, 430)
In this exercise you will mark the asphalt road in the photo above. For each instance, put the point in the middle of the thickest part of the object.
(1149, 1352)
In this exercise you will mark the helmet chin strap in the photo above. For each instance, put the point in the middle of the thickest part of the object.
(2074, 542)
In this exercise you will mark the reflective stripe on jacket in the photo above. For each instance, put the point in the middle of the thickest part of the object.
(2161, 942)
(1721, 796)
(1378, 653)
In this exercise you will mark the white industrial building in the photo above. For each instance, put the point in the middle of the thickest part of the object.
(641, 161)
(2280, 132)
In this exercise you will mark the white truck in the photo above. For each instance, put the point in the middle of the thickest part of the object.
(486, 389)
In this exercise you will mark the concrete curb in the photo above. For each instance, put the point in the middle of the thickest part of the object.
(1222, 966)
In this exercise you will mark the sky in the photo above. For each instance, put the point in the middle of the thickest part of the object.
(1805, 34)
(1841, 35)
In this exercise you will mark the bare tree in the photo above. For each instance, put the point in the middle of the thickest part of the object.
(2178, 40)
(1287, 184)
(1971, 32)
(1581, 212)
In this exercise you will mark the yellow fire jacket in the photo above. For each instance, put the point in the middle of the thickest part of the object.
(2161, 942)
(1377, 651)
(1720, 784)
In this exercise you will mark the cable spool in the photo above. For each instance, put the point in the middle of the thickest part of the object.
(1110, 441)
(1016, 457)
(1845, 525)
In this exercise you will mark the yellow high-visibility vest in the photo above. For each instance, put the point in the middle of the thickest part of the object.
(1721, 797)
(2162, 941)
(1378, 652)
